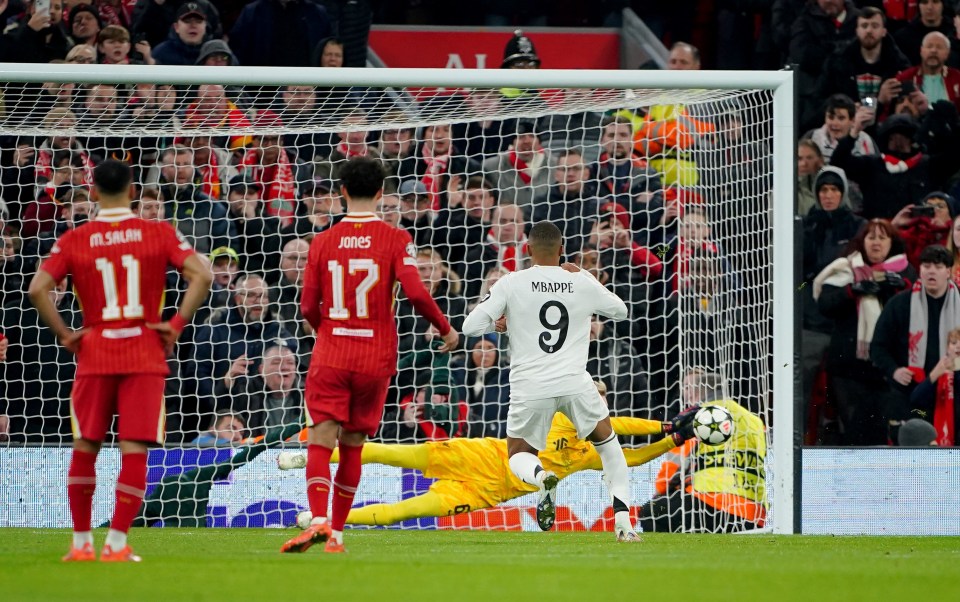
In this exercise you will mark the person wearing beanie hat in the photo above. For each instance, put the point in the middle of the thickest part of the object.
(85, 24)
(216, 53)
(917, 432)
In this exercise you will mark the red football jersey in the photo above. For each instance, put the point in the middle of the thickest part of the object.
(349, 290)
(119, 268)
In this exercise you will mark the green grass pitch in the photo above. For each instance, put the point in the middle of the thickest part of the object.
(244, 564)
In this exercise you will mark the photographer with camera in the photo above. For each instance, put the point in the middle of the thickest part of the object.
(936, 397)
(927, 222)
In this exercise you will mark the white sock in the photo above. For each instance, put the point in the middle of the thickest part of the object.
(622, 518)
(615, 470)
(116, 540)
(525, 465)
(82, 538)
(318, 520)
(336, 536)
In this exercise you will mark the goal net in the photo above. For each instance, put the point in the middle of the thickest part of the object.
(663, 191)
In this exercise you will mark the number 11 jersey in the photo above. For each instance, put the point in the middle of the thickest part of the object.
(548, 311)
(119, 267)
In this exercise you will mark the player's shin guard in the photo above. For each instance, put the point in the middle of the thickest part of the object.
(131, 484)
(526, 466)
(81, 483)
(345, 485)
(615, 472)
(318, 479)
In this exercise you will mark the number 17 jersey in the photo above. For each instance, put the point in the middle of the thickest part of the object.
(548, 311)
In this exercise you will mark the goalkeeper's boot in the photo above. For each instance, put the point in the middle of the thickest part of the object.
(546, 508)
(291, 460)
(84, 554)
(124, 555)
(334, 547)
(311, 535)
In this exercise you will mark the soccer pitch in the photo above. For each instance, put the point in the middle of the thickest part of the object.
(244, 564)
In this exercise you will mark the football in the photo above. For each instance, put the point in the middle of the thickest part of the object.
(713, 425)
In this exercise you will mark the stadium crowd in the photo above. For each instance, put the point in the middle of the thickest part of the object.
(650, 202)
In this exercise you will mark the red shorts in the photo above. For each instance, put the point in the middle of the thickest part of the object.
(136, 398)
(353, 399)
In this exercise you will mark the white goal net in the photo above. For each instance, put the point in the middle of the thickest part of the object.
(665, 194)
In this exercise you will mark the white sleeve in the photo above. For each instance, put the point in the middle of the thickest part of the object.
(607, 304)
(491, 307)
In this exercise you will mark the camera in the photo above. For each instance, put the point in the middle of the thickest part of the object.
(870, 102)
(922, 210)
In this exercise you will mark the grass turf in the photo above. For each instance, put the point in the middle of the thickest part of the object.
(244, 564)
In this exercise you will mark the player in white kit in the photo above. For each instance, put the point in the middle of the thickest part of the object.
(547, 310)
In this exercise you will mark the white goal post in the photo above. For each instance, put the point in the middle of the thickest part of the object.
(762, 102)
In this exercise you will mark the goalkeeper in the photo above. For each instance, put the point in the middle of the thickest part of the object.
(473, 474)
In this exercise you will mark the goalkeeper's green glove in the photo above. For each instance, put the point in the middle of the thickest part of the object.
(681, 426)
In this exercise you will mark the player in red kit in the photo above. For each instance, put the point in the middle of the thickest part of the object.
(348, 299)
(118, 263)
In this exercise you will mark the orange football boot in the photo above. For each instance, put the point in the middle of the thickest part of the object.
(84, 554)
(311, 535)
(124, 555)
(334, 547)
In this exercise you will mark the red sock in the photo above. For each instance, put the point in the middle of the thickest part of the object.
(318, 479)
(345, 486)
(131, 484)
(81, 483)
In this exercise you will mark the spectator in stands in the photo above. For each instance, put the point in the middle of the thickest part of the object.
(286, 295)
(59, 119)
(559, 132)
(269, 397)
(268, 163)
(859, 68)
(388, 209)
(242, 331)
(199, 218)
(840, 114)
(683, 57)
(809, 163)
(488, 388)
(40, 214)
(227, 431)
(150, 106)
(416, 216)
(149, 206)
(217, 53)
(823, 27)
(212, 109)
(328, 53)
(75, 209)
(445, 287)
(611, 360)
(932, 16)
(953, 245)
(936, 398)
(932, 76)
(522, 172)
(624, 178)
(299, 107)
(927, 223)
(488, 137)
(154, 18)
(504, 246)
(627, 263)
(85, 24)
(352, 142)
(212, 163)
(917, 432)
(464, 222)
(183, 44)
(911, 334)
(319, 204)
(588, 258)
(519, 53)
(225, 265)
(258, 238)
(113, 46)
(434, 160)
(572, 200)
(396, 144)
(37, 38)
(851, 291)
(279, 33)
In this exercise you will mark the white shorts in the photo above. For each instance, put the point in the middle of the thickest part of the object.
(530, 420)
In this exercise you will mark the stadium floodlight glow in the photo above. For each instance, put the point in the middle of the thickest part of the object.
(726, 302)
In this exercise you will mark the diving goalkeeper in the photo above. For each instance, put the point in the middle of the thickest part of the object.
(473, 474)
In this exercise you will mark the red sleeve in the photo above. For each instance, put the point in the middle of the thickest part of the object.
(405, 267)
(178, 249)
(58, 263)
(646, 261)
(310, 297)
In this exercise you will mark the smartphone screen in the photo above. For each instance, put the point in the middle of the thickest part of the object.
(42, 6)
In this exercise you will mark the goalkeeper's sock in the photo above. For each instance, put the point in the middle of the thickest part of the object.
(318, 480)
(131, 483)
(345, 486)
(81, 483)
(615, 472)
(526, 466)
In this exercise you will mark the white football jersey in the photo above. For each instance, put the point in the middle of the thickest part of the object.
(548, 312)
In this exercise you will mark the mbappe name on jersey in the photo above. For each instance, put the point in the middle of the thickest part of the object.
(115, 237)
(551, 287)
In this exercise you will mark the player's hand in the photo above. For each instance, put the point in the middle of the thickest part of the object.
(501, 324)
(71, 340)
(451, 341)
(680, 426)
(903, 376)
(168, 334)
(570, 267)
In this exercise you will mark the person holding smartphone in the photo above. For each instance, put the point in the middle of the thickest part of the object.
(38, 39)
(937, 397)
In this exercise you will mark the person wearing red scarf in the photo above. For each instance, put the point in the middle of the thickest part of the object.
(505, 246)
(940, 391)
(268, 163)
(522, 173)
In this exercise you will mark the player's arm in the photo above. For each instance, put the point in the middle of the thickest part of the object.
(41, 285)
(196, 271)
(637, 426)
(310, 296)
(484, 316)
(642, 455)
